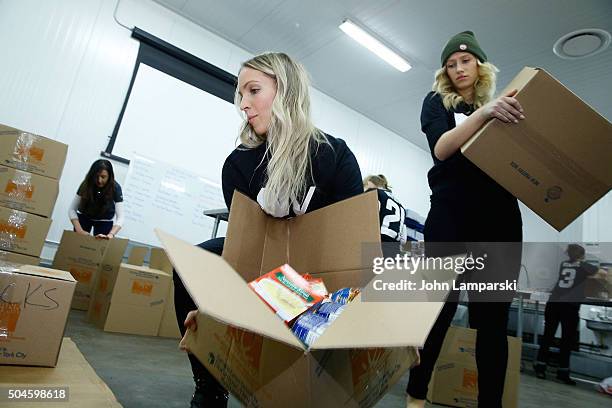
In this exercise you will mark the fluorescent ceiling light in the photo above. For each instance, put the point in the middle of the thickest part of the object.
(374, 45)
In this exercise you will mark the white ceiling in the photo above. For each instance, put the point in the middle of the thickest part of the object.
(514, 33)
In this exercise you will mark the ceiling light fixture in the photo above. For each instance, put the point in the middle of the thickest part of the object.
(367, 40)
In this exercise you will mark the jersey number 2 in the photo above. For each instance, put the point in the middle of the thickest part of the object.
(398, 216)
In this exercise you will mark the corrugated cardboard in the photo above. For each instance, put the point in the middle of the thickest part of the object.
(558, 161)
(22, 232)
(27, 191)
(253, 353)
(13, 257)
(168, 327)
(85, 388)
(455, 377)
(83, 256)
(131, 301)
(34, 308)
(33, 153)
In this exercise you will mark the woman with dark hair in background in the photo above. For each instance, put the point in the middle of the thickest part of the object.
(467, 206)
(98, 204)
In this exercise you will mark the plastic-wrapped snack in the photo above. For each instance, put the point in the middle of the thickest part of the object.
(286, 292)
(316, 285)
(328, 309)
(309, 326)
(344, 295)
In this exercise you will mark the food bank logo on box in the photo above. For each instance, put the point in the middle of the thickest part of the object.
(9, 315)
(7, 227)
(20, 191)
(82, 275)
(249, 343)
(362, 362)
(142, 288)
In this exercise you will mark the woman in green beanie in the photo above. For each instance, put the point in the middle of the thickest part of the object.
(469, 207)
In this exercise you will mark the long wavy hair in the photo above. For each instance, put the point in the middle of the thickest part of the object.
(291, 134)
(88, 187)
(484, 87)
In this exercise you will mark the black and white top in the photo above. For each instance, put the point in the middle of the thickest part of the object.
(572, 276)
(392, 216)
(335, 177)
(100, 209)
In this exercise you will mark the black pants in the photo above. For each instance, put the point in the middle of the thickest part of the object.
(454, 223)
(99, 227)
(566, 314)
(184, 304)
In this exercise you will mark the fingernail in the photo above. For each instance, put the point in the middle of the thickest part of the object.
(515, 121)
(522, 116)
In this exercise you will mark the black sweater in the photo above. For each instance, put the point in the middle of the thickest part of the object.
(336, 174)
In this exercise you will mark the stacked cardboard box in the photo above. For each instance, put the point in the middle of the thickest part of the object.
(30, 168)
(33, 311)
(84, 257)
(131, 299)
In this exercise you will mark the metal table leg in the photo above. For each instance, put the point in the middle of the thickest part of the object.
(216, 226)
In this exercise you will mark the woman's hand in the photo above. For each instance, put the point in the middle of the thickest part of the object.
(190, 324)
(82, 232)
(102, 236)
(505, 108)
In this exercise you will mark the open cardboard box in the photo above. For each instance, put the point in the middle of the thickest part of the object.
(253, 353)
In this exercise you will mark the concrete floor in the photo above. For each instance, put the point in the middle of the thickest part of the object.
(151, 372)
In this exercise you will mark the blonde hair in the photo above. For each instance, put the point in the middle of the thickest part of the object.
(484, 87)
(380, 181)
(291, 134)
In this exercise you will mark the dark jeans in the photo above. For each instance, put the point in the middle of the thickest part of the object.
(99, 227)
(184, 304)
(566, 314)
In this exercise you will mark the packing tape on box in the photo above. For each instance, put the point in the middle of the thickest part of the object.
(9, 310)
(558, 162)
(12, 228)
(24, 149)
(20, 187)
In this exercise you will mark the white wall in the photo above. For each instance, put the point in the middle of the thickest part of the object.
(66, 68)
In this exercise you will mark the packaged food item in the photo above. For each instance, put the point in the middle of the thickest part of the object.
(344, 295)
(309, 326)
(328, 309)
(316, 284)
(286, 292)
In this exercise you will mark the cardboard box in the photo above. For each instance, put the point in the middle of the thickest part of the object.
(33, 311)
(168, 327)
(27, 191)
(32, 153)
(558, 161)
(22, 232)
(12, 257)
(131, 301)
(253, 353)
(455, 377)
(83, 256)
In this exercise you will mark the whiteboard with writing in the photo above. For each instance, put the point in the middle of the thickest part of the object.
(157, 194)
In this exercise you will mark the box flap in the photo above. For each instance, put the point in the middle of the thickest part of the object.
(223, 295)
(137, 255)
(37, 271)
(380, 324)
(159, 260)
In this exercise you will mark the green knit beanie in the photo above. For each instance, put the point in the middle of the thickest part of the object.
(466, 42)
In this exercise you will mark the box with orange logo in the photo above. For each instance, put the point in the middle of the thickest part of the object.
(34, 308)
(32, 153)
(84, 256)
(455, 377)
(253, 353)
(130, 300)
(22, 232)
(27, 191)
